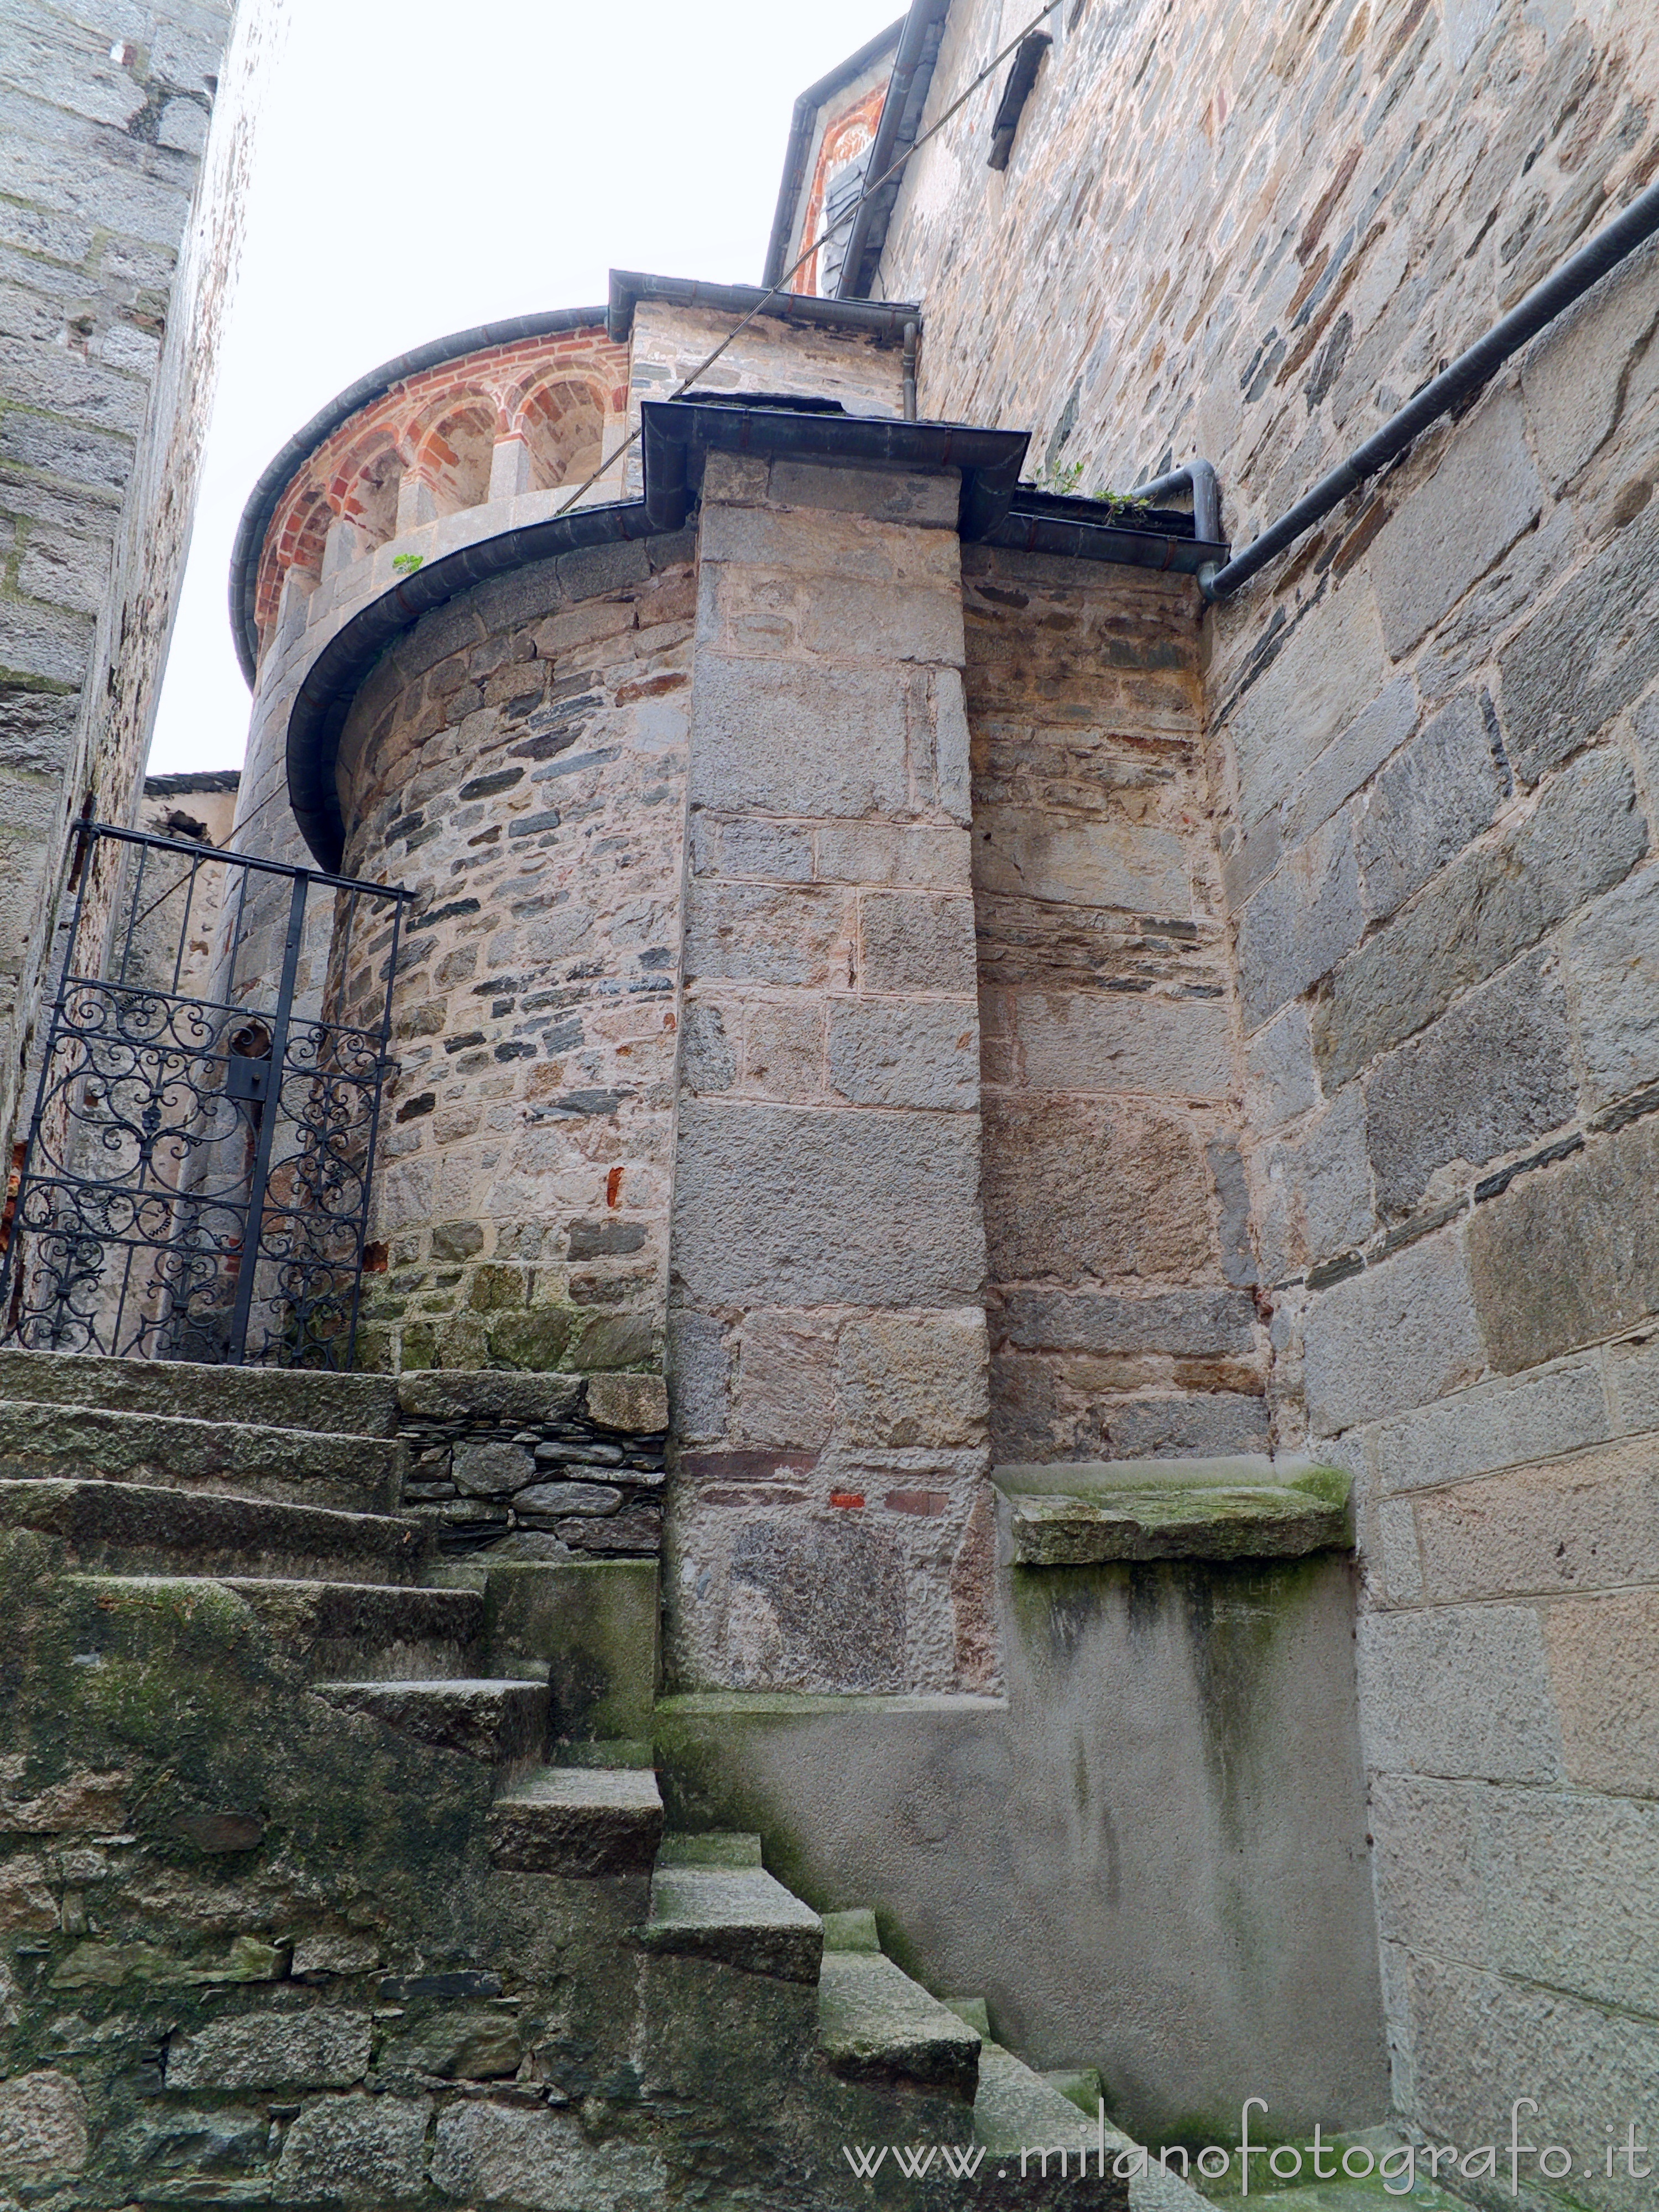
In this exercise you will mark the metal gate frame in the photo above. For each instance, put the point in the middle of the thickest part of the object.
(235, 1132)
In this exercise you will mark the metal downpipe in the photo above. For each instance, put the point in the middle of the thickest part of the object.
(1200, 478)
(1464, 375)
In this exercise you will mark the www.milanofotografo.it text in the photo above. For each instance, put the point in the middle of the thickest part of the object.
(1398, 2166)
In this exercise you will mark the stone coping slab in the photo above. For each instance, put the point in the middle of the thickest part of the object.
(1101, 1510)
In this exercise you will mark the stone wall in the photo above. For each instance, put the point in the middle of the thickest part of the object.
(119, 214)
(831, 1517)
(518, 762)
(1121, 1263)
(1433, 743)
(772, 355)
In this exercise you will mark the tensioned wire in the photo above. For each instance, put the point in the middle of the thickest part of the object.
(766, 299)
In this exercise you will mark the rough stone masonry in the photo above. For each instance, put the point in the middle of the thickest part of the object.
(124, 159)
(969, 1021)
(1432, 739)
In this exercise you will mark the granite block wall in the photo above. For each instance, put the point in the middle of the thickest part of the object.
(1431, 735)
(830, 1517)
(123, 161)
(1122, 1272)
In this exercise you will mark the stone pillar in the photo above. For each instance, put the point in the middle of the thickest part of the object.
(830, 1510)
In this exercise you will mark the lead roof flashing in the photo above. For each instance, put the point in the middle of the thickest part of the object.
(679, 435)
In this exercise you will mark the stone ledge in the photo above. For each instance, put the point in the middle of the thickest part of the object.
(1243, 1509)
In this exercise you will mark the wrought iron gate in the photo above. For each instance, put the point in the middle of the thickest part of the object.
(195, 1182)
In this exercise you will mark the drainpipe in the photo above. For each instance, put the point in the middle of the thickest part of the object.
(1198, 477)
(909, 371)
(1466, 375)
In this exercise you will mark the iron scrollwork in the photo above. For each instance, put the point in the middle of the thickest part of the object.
(198, 1176)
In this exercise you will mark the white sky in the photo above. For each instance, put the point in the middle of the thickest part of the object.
(424, 167)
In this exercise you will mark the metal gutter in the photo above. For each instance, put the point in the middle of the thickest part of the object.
(1465, 377)
(803, 126)
(278, 472)
(900, 119)
(1082, 529)
(880, 319)
(678, 437)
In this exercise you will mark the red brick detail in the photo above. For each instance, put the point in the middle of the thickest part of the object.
(849, 1499)
(443, 423)
(844, 139)
(747, 1466)
(917, 1501)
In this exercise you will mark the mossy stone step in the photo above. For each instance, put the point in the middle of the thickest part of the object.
(712, 1847)
(272, 1397)
(729, 1910)
(578, 1820)
(135, 1527)
(1080, 2086)
(876, 2024)
(369, 1630)
(851, 1930)
(593, 1624)
(1016, 2111)
(305, 1467)
(621, 1751)
(500, 1724)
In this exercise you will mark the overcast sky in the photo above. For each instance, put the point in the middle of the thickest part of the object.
(422, 168)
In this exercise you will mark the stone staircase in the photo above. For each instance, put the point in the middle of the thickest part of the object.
(334, 1874)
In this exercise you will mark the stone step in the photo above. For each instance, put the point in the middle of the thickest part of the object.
(711, 1900)
(135, 1527)
(875, 2024)
(594, 1624)
(500, 1724)
(265, 1397)
(578, 1820)
(1016, 2111)
(367, 1630)
(1080, 1514)
(711, 1847)
(233, 1458)
(1080, 2086)
(617, 1751)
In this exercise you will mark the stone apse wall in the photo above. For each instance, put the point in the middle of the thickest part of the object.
(817, 988)
(1433, 759)
(125, 156)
